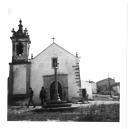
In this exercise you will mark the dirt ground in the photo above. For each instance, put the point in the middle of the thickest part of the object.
(107, 111)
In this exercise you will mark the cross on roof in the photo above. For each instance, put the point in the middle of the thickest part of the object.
(53, 39)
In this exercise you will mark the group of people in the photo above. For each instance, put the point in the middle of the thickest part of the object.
(42, 97)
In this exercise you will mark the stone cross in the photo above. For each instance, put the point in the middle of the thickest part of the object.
(53, 39)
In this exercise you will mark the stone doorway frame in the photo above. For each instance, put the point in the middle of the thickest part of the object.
(62, 79)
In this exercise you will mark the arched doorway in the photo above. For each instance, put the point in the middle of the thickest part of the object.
(52, 91)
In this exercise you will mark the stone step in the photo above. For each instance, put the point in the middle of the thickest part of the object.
(55, 109)
(19, 99)
(57, 104)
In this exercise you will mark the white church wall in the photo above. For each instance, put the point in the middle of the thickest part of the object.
(42, 65)
(19, 81)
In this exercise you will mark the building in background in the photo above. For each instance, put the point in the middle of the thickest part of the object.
(93, 85)
(108, 86)
(116, 88)
(89, 86)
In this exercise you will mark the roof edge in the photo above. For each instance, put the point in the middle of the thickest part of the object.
(50, 46)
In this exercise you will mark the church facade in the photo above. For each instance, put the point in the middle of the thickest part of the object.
(40, 70)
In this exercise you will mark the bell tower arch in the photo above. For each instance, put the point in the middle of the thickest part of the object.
(20, 44)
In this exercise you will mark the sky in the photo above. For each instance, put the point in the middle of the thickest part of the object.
(94, 29)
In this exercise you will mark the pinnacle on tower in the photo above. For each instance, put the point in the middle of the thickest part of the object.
(20, 26)
(20, 33)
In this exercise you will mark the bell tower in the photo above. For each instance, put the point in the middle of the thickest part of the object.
(20, 66)
(20, 45)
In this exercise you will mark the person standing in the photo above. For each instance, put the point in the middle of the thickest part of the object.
(43, 96)
(30, 98)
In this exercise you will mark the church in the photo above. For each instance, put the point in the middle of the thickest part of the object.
(53, 64)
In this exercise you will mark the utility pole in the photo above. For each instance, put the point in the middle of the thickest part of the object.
(109, 86)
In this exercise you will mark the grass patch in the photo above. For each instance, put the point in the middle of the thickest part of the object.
(100, 113)
(92, 113)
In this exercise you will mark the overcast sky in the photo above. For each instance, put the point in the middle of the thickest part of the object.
(93, 28)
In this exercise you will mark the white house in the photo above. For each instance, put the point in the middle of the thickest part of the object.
(94, 87)
(88, 86)
(39, 71)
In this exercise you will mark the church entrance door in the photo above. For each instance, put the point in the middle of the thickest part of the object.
(52, 91)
